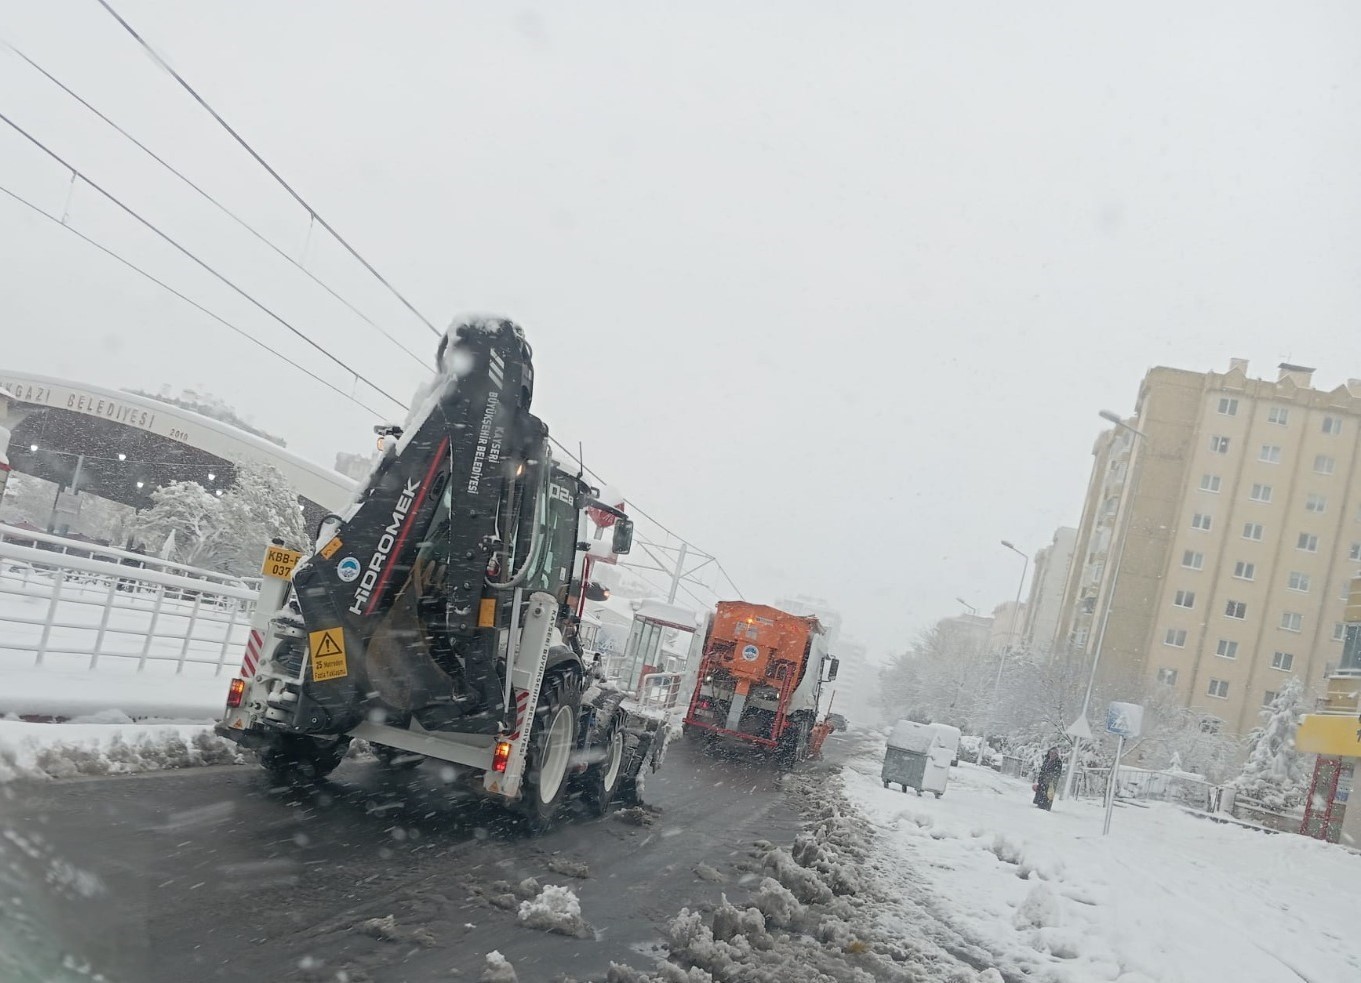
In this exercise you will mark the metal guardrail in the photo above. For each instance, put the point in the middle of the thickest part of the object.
(54, 603)
(660, 690)
(79, 548)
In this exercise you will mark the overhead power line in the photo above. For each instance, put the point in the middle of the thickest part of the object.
(220, 206)
(192, 303)
(261, 161)
(636, 508)
(150, 225)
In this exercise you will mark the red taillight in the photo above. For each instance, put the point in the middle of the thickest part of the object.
(235, 692)
(501, 757)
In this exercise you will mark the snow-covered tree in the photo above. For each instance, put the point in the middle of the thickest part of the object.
(193, 514)
(1276, 773)
(227, 532)
(942, 678)
(1193, 738)
(259, 506)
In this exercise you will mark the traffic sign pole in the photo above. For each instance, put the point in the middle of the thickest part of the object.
(1110, 785)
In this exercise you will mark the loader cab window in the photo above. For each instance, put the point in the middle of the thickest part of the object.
(554, 568)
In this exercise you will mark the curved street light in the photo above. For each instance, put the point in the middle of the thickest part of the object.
(1011, 643)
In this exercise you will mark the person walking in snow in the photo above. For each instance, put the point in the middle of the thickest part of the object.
(1047, 784)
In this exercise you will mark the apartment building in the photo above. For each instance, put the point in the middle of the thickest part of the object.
(1217, 547)
(1044, 609)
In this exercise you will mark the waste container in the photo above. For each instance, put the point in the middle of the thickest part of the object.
(917, 757)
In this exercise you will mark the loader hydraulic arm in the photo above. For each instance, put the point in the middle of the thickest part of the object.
(406, 599)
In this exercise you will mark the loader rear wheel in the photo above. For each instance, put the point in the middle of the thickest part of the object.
(297, 759)
(604, 778)
(552, 739)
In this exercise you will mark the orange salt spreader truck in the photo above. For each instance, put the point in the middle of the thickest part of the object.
(760, 681)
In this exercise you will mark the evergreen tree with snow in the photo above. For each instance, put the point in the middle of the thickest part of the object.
(1276, 773)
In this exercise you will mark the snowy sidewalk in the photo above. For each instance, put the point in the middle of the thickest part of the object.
(1165, 897)
(69, 693)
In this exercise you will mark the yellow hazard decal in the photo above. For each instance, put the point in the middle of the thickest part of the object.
(328, 654)
(329, 550)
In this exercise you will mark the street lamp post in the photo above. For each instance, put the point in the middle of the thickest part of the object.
(1011, 643)
(1109, 417)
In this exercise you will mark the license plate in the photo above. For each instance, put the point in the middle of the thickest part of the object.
(279, 562)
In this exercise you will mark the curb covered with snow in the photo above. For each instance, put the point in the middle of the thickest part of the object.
(817, 912)
(107, 748)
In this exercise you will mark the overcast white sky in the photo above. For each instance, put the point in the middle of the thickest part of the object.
(835, 290)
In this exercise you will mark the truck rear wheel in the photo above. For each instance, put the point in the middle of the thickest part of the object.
(297, 759)
(793, 746)
(552, 740)
(604, 778)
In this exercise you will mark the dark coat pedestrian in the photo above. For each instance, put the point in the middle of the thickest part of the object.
(1047, 784)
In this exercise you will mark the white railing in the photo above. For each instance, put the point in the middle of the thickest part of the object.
(112, 554)
(78, 609)
(660, 690)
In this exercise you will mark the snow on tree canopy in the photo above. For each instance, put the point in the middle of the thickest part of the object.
(1276, 773)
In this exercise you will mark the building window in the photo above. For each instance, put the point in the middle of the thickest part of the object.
(1244, 570)
(1228, 406)
(1355, 552)
(1339, 631)
(1185, 599)
(1270, 454)
(1226, 649)
(1260, 493)
(1219, 445)
(1176, 637)
(1201, 521)
(1209, 483)
(1278, 415)
(1291, 621)
(1080, 637)
(1269, 697)
(1253, 531)
(1332, 425)
(1308, 542)
(1192, 560)
(1236, 609)
(1219, 688)
(1283, 661)
(1297, 581)
(1168, 677)
(1324, 464)
(1315, 503)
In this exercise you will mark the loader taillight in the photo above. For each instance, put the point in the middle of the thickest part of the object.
(501, 757)
(486, 613)
(235, 692)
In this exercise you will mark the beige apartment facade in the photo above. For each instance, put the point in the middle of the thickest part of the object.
(1232, 536)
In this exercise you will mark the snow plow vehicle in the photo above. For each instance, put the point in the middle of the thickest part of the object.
(760, 681)
(437, 617)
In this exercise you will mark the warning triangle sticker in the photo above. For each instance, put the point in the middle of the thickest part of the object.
(329, 645)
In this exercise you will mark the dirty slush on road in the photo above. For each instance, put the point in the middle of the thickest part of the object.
(814, 911)
(808, 911)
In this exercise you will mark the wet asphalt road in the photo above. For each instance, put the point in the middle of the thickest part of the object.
(211, 874)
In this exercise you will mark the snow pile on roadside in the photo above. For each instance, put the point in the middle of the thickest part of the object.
(1167, 896)
(71, 750)
(555, 909)
(814, 914)
(498, 969)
